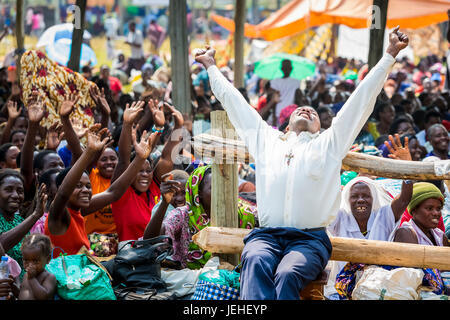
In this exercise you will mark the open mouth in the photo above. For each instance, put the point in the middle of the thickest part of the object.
(14, 204)
(435, 221)
(85, 199)
(305, 115)
(361, 208)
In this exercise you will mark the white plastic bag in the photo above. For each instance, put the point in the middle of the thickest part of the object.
(183, 282)
(427, 294)
(377, 283)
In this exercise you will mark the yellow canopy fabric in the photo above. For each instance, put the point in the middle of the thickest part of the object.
(299, 15)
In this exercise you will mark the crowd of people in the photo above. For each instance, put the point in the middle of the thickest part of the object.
(128, 176)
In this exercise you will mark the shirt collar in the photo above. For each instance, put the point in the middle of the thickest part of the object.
(304, 136)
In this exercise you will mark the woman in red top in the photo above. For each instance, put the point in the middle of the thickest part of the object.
(73, 200)
(132, 212)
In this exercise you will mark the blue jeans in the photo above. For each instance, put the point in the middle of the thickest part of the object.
(277, 263)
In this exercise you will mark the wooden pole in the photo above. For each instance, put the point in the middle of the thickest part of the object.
(239, 22)
(224, 184)
(179, 48)
(57, 15)
(77, 36)
(20, 38)
(379, 18)
(229, 240)
(255, 12)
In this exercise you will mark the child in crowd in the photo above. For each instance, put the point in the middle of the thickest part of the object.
(38, 283)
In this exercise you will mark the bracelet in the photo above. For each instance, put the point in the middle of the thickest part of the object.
(159, 130)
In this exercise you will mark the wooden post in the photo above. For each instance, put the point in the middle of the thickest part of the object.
(19, 34)
(239, 23)
(224, 184)
(57, 13)
(179, 49)
(379, 18)
(77, 36)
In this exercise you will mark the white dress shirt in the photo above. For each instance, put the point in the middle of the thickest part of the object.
(286, 87)
(136, 38)
(306, 193)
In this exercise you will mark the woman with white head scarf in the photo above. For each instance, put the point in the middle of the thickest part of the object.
(367, 212)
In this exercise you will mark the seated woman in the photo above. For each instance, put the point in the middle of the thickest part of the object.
(367, 212)
(13, 227)
(74, 200)
(425, 208)
(183, 222)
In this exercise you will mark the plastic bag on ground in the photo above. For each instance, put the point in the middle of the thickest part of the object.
(183, 282)
(377, 283)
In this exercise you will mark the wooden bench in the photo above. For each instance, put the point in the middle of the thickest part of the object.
(314, 290)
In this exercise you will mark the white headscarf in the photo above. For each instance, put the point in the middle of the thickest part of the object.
(380, 197)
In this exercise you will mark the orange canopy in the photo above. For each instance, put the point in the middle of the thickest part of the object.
(94, 3)
(299, 15)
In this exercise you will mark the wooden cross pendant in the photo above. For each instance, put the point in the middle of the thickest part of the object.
(289, 156)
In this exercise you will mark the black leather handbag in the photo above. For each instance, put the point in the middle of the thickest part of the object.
(138, 263)
(143, 294)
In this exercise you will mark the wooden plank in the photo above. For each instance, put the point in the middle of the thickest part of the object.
(229, 240)
(224, 184)
(219, 148)
(181, 94)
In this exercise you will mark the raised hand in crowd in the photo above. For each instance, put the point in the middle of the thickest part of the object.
(36, 107)
(176, 114)
(13, 113)
(397, 151)
(73, 139)
(36, 112)
(168, 188)
(131, 112)
(125, 141)
(157, 112)
(99, 98)
(55, 135)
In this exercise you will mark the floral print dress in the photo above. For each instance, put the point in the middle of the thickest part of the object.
(54, 82)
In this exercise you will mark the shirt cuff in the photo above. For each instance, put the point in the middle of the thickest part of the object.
(387, 60)
(212, 69)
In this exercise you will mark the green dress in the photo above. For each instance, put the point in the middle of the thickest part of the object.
(5, 226)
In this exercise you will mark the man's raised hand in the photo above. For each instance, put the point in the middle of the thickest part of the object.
(205, 56)
(397, 42)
